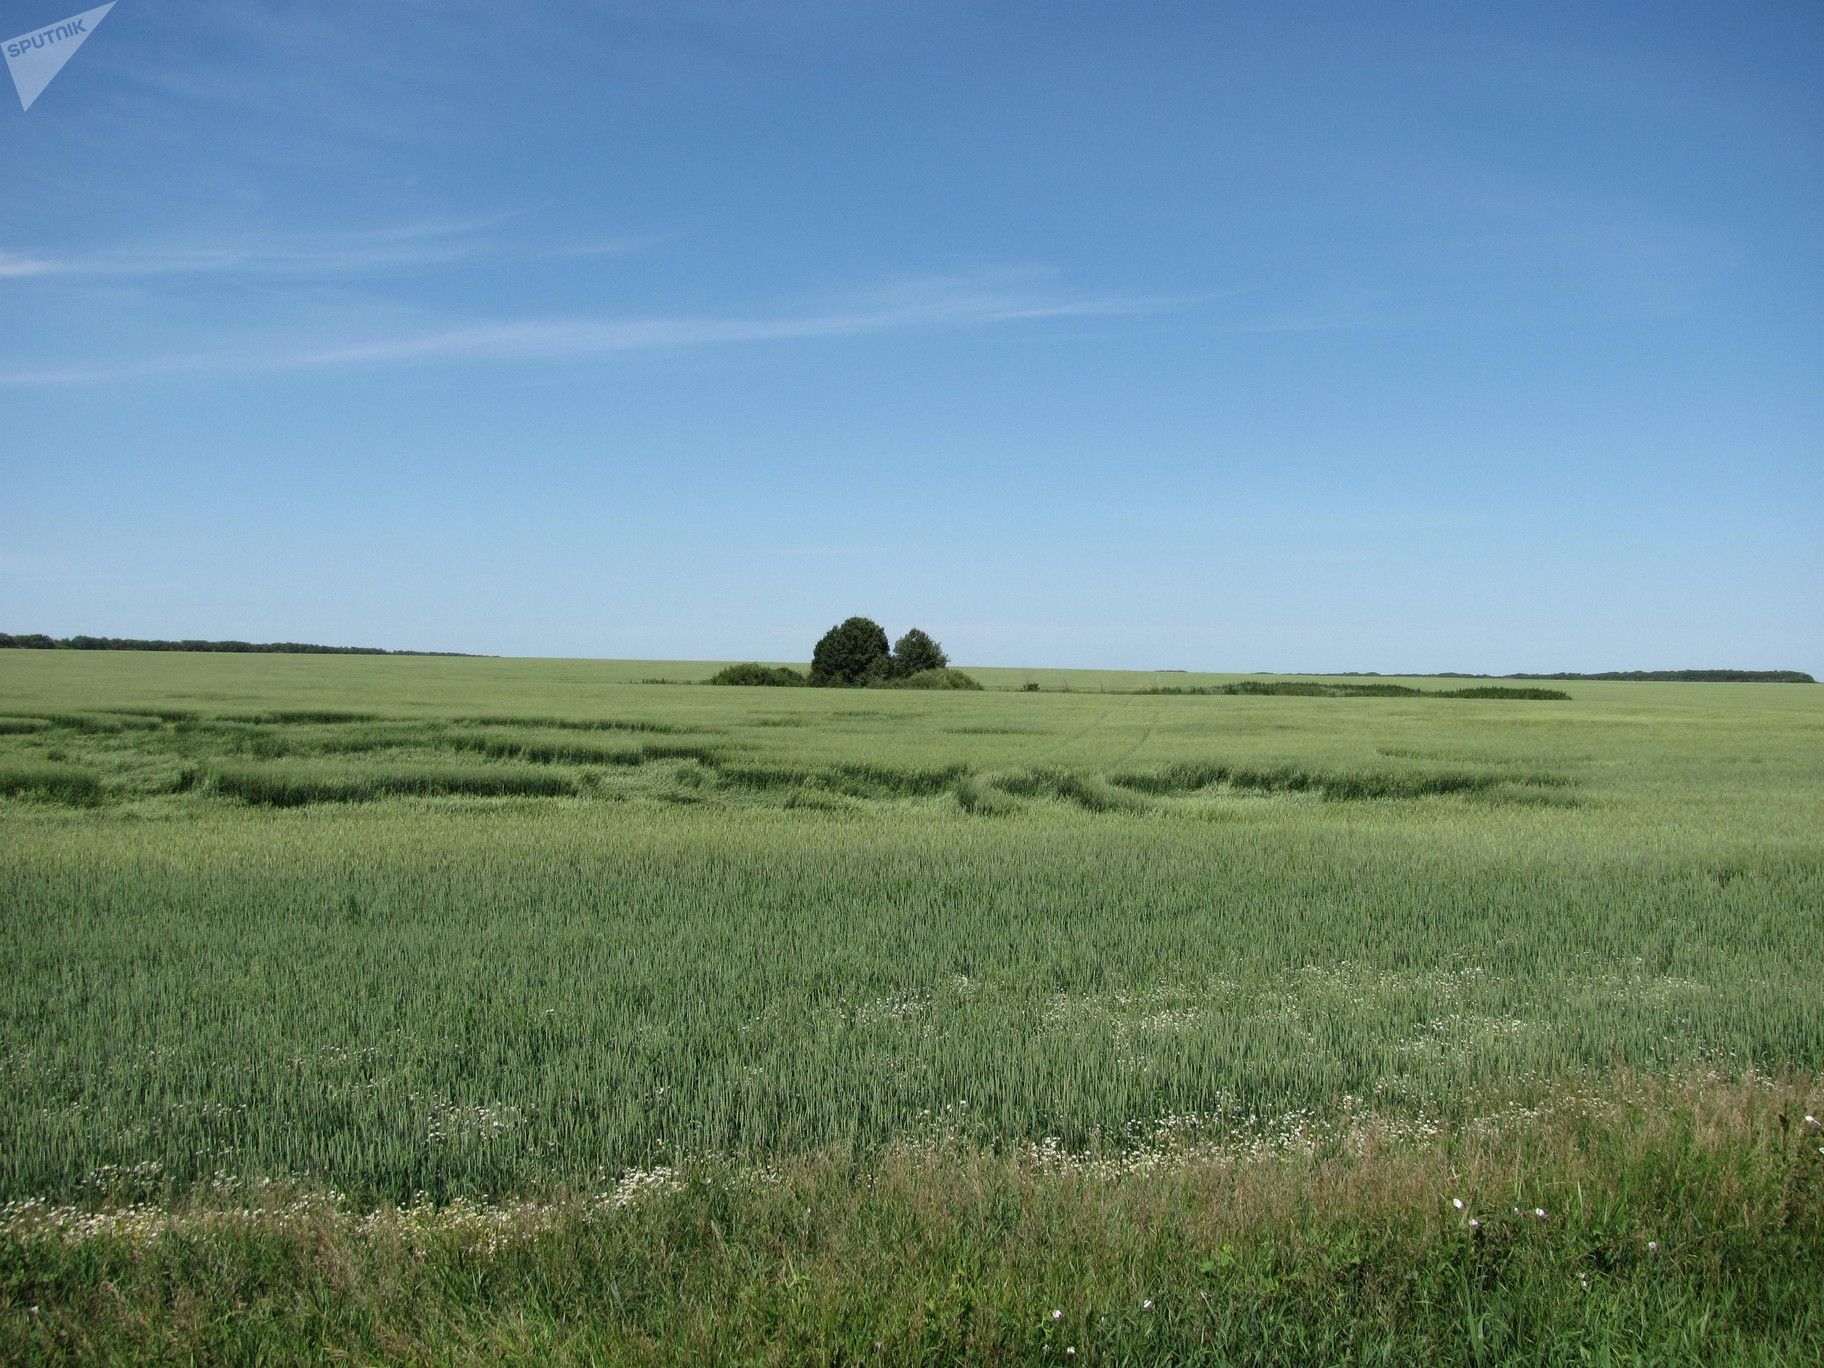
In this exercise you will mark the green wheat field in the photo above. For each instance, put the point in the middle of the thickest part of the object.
(427, 1009)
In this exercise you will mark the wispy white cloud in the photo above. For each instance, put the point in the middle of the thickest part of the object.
(920, 305)
(405, 246)
(16, 267)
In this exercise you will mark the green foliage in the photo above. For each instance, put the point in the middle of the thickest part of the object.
(849, 653)
(1655, 1224)
(39, 641)
(296, 785)
(1502, 691)
(49, 781)
(1686, 676)
(1311, 688)
(915, 653)
(936, 679)
(1354, 871)
(503, 931)
(755, 674)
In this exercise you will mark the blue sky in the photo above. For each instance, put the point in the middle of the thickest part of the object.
(1217, 336)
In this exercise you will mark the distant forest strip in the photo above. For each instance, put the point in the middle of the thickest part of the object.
(1683, 676)
(38, 641)
(1305, 688)
(1633, 676)
(1661, 676)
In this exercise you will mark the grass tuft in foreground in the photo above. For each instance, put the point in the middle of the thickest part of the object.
(1666, 1221)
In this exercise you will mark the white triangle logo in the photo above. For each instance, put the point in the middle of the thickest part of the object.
(36, 58)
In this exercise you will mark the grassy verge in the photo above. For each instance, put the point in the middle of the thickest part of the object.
(1669, 1221)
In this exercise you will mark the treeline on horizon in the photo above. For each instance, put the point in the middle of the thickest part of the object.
(1660, 676)
(38, 641)
(1628, 676)
(1308, 688)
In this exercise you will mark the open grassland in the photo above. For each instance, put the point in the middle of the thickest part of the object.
(1042, 997)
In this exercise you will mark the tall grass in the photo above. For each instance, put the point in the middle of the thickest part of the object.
(52, 782)
(295, 785)
(257, 928)
(1666, 1223)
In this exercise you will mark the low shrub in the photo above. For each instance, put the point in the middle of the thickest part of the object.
(935, 679)
(754, 674)
(1504, 691)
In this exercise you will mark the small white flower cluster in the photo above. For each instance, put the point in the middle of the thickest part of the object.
(449, 1122)
(33, 1219)
(637, 1185)
(487, 1227)
(878, 1010)
(117, 1178)
(1471, 1223)
(1459, 1039)
(1225, 1136)
(938, 1130)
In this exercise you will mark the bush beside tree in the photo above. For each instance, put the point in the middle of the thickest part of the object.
(936, 679)
(752, 673)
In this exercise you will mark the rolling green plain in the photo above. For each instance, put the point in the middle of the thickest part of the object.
(429, 1009)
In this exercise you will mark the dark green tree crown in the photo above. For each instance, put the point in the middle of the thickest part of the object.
(916, 652)
(848, 652)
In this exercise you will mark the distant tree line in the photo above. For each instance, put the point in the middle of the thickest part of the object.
(1636, 676)
(1660, 676)
(854, 654)
(1307, 688)
(38, 641)
(1688, 676)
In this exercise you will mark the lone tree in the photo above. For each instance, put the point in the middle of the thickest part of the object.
(916, 652)
(849, 651)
